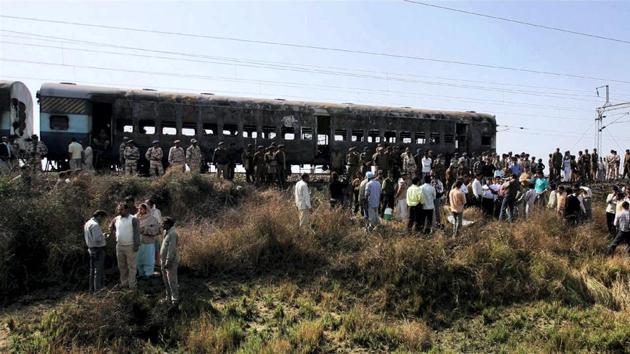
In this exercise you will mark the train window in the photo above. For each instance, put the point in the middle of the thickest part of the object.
(268, 132)
(288, 133)
(358, 135)
(189, 129)
(421, 138)
(449, 139)
(486, 140)
(124, 125)
(374, 136)
(434, 139)
(147, 127)
(59, 122)
(169, 128)
(307, 133)
(405, 137)
(340, 135)
(322, 139)
(209, 129)
(250, 131)
(230, 130)
(390, 137)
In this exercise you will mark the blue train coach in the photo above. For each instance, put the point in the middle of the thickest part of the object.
(16, 104)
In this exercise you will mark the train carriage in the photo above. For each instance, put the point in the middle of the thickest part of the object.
(310, 131)
(16, 117)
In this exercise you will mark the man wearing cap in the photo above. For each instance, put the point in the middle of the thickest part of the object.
(194, 157)
(132, 155)
(366, 161)
(177, 157)
(155, 155)
(95, 242)
(353, 160)
(121, 152)
(221, 161)
(36, 150)
(259, 164)
(247, 158)
(379, 159)
(271, 163)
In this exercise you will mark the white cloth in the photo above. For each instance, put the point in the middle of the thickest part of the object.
(477, 188)
(75, 149)
(566, 166)
(401, 210)
(464, 189)
(611, 205)
(88, 159)
(124, 230)
(157, 214)
(302, 196)
(428, 196)
(426, 164)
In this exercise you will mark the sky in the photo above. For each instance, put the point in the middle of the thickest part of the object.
(554, 110)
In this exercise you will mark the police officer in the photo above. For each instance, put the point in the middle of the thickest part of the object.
(121, 152)
(281, 159)
(194, 157)
(247, 158)
(36, 150)
(221, 161)
(131, 155)
(259, 164)
(353, 160)
(155, 155)
(177, 157)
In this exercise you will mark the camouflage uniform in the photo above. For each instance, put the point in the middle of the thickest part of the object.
(353, 159)
(381, 161)
(194, 157)
(35, 152)
(247, 158)
(131, 155)
(221, 161)
(259, 164)
(155, 156)
(281, 160)
(177, 158)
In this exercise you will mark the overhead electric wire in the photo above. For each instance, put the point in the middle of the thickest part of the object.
(295, 67)
(291, 84)
(520, 22)
(317, 47)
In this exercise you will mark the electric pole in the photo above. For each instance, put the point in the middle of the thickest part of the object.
(601, 110)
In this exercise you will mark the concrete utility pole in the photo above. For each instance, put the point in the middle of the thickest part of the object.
(601, 110)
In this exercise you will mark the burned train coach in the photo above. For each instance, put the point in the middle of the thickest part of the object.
(16, 118)
(310, 131)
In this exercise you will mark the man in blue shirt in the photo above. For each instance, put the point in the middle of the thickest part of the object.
(540, 186)
(373, 196)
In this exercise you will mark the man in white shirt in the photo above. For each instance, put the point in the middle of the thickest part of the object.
(75, 152)
(477, 189)
(303, 201)
(426, 165)
(95, 242)
(428, 196)
(127, 231)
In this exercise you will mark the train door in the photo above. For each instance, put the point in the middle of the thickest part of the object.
(323, 139)
(101, 134)
(461, 140)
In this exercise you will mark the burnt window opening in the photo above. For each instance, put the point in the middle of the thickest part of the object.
(250, 131)
(340, 135)
(147, 127)
(486, 140)
(288, 133)
(169, 128)
(374, 136)
(209, 129)
(189, 129)
(421, 139)
(322, 139)
(405, 137)
(268, 132)
(434, 139)
(124, 125)
(390, 137)
(358, 135)
(449, 139)
(59, 122)
(461, 128)
(230, 130)
(307, 133)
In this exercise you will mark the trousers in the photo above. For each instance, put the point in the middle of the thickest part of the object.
(169, 275)
(97, 268)
(145, 260)
(457, 222)
(622, 236)
(426, 220)
(126, 258)
(131, 167)
(76, 164)
(305, 218)
(156, 168)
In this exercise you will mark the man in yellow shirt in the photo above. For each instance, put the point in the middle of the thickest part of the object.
(414, 201)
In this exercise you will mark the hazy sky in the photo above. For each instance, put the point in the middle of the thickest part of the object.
(557, 110)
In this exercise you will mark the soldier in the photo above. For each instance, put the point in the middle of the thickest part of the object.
(233, 156)
(194, 157)
(379, 159)
(366, 161)
(270, 163)
(594, 164)
(580, 166)
(36, 150)
(337, 161)
(626, 164)
(16, 152)
(587, 166)
(281, 159)
(556, 160)
(439, 169)
(177, 157)
(409, 163)
(155, 155)
(247, 158)
(353, 160)
(451, 173)
(259, 164)
(221, 160)
(131, 155)
(121, 152)
(552, 171)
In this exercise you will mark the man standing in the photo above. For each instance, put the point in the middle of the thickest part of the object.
(177, 157)
(457, 200)
(169, 260)
(428, 197)
(626, 164)
(121, 152)
(5, 156)
(88, 158)
(259, 164)
(303, 201)
(281, 160)
(193, 156)
(511, 187)
(75, 153)
(477, 189)
(556, 160)
(353, 160)
(409, 163)
(622, 222)
(95, 242)
(127, 231)
(221, 161)
(155, 155)
(132, 155)
(594, 165)
(373, 196)
(247, 158)
(36, 151)
(426, 165)
(414, 201)
(439, 193)
(613, 164)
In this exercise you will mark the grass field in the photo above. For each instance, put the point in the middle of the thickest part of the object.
(252, 282)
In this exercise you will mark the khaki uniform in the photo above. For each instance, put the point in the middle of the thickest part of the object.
(259, 163)
(353, 159)
(177, 158)
(155, 156)
(247, 158)
(194, 158)
(131, 155)
(35, 152)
